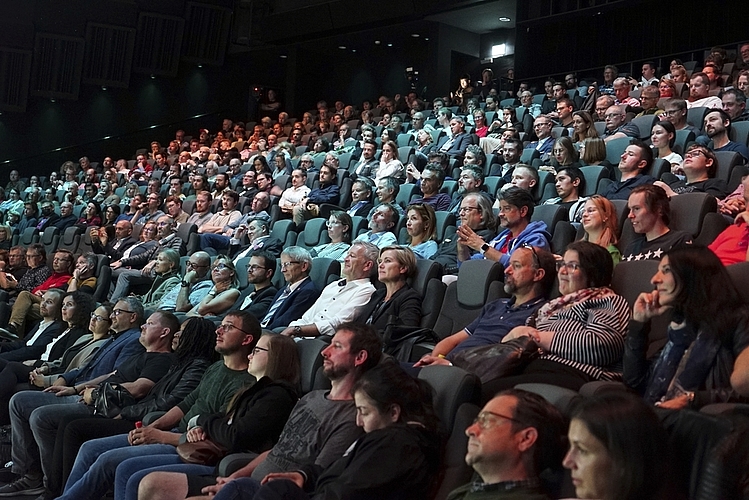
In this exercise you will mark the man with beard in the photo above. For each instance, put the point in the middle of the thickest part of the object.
(320, 428)
(717, 127)
(528, 279)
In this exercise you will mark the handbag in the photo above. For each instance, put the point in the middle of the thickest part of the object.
(497, 360)
(399, 341)
(204, 452)
(109, 399)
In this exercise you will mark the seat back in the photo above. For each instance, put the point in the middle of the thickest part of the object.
(50, 238)
(406, 191)
(284, 230)
(740, 276)
(324, 270)
(29, 236)
(593, 174)
(644, 125)
(550, 215)
(465, 297)
(241, 269)
(185, 232)
(311, 363)
(315, 233)
(71, 239)
(528, 155)
(727, 161)
(615, 148)
(688, 210)
(444, 221)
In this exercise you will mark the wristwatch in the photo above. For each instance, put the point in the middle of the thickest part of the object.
(484, 248)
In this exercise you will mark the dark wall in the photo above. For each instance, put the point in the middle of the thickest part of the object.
(29, 139)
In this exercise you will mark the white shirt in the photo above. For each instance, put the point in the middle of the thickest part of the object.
(336, 304)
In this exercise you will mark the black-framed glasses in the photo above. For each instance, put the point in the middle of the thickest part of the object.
(117, 312)
(98, 318)
(467, 209)
(190, 265)
(258, 349)
(254, 267)
(536, 260)
(571, 267)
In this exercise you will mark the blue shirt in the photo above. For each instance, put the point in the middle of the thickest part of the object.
(496, 320)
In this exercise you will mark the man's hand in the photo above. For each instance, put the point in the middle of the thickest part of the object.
(60, 390)
(676, 403)
(196, 434)
(88, 395)
(116, 264)
(295, 477)
(148, 268)
(428, 359)
(467, 237)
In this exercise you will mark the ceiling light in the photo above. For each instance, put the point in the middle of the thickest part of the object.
(504, 19)
(103, 87)
(415, 35)
(377, 42)
(342, 47)
(390, 45)
(282, 56)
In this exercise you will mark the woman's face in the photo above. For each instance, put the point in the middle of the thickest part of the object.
(336, 229)
(415, 224)
(592, 219)
(389, 270)
(149, 232)
(463, 83)
(68, 309)
(570, 275)
(90, 210)
(560, 154)
(385, 119)
(163, 265)
(110, 214)
(100, 321)
(665, 283)
(659, 137)
(3, 235)
(259, 358)
(131, 191)
(589, 462)
(665, 90)
(478, 119)
(579, 125)
(221, 272)
(387, 150)
(423, 137)
(368, 416)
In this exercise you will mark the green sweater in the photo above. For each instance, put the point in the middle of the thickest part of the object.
(214, 392)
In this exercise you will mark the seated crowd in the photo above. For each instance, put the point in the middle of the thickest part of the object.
(225, 252)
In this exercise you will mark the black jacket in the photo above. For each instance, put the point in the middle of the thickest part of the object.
(404, 308)
(257, 417)
(19, 351)
(109, 251)
(180, 381)
(260, 302)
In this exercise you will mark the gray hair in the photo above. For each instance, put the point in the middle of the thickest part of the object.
(134, 304)
(299, 254)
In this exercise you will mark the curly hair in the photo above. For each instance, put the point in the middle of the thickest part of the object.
(197, 340)
(84, 306)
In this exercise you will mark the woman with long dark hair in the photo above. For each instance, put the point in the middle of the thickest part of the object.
(706, 358)
(618, 449)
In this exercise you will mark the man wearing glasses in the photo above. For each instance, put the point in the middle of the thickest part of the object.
(528, 280)
(676, 113)
(615, 126)
(127, 317)
(699, 166)
(26, 306)
(542, 128)
(515, 436)
(257, 298)
(123, 240)
(35, 416)
(299, 293)
(194, 286)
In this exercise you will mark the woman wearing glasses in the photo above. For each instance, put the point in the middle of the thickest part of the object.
(167, 277)
(253, 420)
(397, 457)
(224, 293)
(72, 348)
(339, 230)
(581, 332)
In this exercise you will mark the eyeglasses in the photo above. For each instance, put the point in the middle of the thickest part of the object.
(284, 265)
(191, 265)
(571, 267)
(488, 419)
(33, 255)
(695, 153)
(612, 115)
(254, 267)
(228, 326)
(57, 259)
(98, 318)
(544, 124)
(467, 209)
(117, 312)
(220, 267)
(258, 349)
(671, 112)
(332, 223)
(557, 151)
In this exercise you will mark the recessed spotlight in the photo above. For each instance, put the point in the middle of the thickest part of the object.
(427, 39)
(342, 47)
(283, 56)
(415, 35)
(200, 65)
(390, 45)
(103, 87)
(377, 42)
(504, 19)
(353, 50)
(52, 100)
(153, 77)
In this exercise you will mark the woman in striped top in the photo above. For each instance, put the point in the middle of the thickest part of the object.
(581, 333)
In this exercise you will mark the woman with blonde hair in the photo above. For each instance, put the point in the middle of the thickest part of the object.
(421, 225)
(224, 292)
(601, 226)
